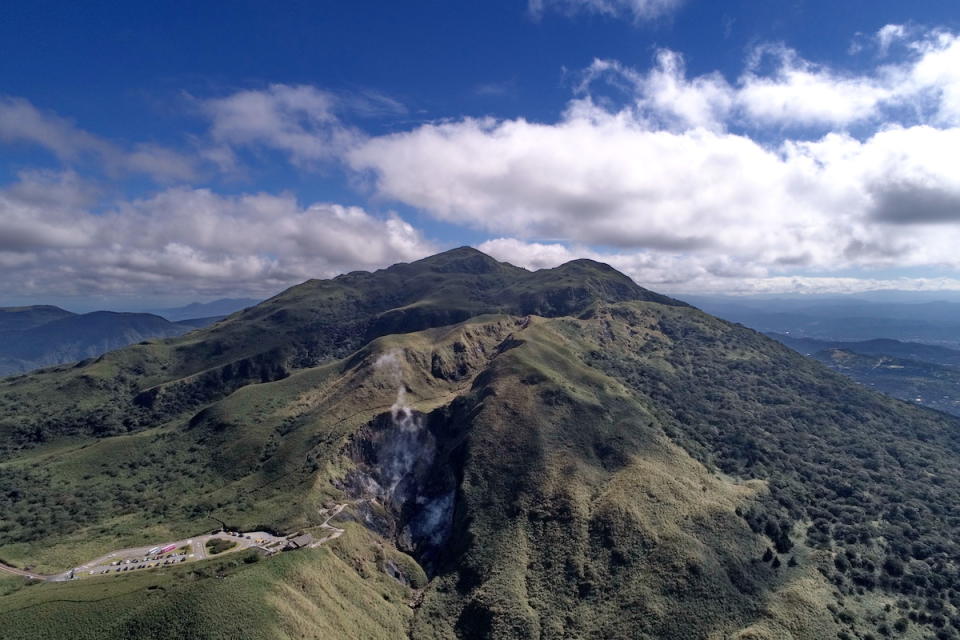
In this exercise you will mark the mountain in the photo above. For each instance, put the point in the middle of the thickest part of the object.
(217, 308)
(197, 323)
(22, 318)
(47, 337)
(504, 453)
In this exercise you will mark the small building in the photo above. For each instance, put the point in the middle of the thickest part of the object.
(299, 542)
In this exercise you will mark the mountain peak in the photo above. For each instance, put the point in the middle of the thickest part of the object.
(463, 260)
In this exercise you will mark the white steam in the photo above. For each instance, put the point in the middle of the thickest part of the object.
(410, 442)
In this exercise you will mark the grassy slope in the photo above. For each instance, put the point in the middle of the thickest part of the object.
(604, 513)
(317, 594)
(310, 324)
(581, 519)
(261, 457)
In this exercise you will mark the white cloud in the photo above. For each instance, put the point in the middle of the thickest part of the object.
(888, 34)
(300, 121)
(792, 167)
(21, 122)
(192, 241)
(780, 89)
(604, 179)
(664, 179)
(936, 75)
(922, 87)
(635, 9)
(799, 93)
(664, 96)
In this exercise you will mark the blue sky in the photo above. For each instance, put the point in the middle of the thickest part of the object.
(197, 150)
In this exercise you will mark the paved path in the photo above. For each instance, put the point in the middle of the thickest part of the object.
(116, 561)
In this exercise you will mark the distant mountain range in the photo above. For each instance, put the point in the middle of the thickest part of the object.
(23, 318)
(40, 336)
(877, 347)
(45, 335)
(918, 373)
(906, 347)
(217, 308)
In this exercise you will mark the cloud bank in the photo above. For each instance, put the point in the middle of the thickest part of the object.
(680, 177)
(184, 240)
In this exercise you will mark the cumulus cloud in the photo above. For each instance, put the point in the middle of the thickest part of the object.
(193, 241)
(779, 88)
(688, 182)
(22, 122)
(300, 121)
(675, 179)
(604, 179)
(664, 96)
(905, 203)
(635, 9)
(922, 87)
(800, 93)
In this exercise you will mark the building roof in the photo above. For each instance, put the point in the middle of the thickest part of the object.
(300, 541)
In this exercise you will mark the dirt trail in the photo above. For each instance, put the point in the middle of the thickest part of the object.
(336, 531)
(24, 574)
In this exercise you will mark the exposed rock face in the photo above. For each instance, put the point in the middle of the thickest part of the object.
(403, 466)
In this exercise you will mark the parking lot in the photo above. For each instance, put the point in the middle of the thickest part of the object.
(181, 551)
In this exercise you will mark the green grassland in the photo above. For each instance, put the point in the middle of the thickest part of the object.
(252, 460)
(308, 594)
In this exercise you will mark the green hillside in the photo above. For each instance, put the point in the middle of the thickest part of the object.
(555, 454)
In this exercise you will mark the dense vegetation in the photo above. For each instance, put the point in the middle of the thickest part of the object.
(619, 465)
(219, 545)
(856, 474)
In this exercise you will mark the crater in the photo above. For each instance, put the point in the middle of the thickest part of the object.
(406, 479)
